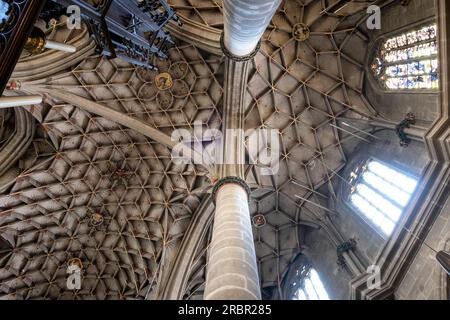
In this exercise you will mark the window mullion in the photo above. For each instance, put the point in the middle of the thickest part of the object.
(392, 48)
(411, 45)
(381, 195)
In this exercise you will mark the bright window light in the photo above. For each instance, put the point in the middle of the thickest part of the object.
(409, 61)
(312, 289)
(382, 194)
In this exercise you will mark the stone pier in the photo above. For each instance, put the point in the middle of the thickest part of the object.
(245, 23)
(232, 270)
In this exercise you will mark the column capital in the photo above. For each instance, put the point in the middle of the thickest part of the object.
(227, 180)
(236, 58)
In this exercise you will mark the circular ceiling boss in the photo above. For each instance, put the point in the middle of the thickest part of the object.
(164, 81)
(301, 32)
(96, 220)
(259, 221)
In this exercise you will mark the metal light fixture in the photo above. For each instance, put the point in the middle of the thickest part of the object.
(19, 101)
(37, 43)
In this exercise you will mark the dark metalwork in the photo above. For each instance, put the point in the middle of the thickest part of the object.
(409, 120)
(16, 22)
(130, 30)
(51, 11)
(344, 247)
(293, 280)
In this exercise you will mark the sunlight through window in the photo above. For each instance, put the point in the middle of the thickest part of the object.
(313, 288)
(382, 194)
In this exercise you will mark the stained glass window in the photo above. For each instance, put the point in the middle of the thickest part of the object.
(4, 7)
(409, 61)
(381, 194)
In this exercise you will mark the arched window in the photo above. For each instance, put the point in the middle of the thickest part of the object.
(311, 287)
(408, 61)
(380, 193)
(302, 282)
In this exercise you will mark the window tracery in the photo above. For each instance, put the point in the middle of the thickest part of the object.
(409, 61)
(380, 194)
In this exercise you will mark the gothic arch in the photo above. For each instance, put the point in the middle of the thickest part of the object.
(374, 51)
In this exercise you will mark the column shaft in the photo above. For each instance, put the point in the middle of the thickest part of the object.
(232, 272)
(245, 23)
(233, 139)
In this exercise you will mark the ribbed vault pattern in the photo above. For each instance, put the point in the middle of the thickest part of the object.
(210, 12)
(103, 193)
(96, 167)
(207, 12)
(194, 97)
(145, 202)
(300, 86)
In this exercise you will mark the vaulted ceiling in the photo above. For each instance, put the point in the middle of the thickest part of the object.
(112, 197)
(301, 88)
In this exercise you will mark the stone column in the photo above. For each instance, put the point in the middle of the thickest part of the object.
(233, 139)
(232, 272)
(245, 23)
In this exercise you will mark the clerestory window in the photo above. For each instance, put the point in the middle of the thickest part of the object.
(380, 194)
(310, 287)
(409, 61)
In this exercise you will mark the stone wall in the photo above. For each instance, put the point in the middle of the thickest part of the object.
(395, 16)
(350, 224)
(425, 279)
(395, 105)
(322, 254)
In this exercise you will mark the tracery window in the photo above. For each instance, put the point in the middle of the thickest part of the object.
(312, 288)
(380, 194)
(409, 61)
